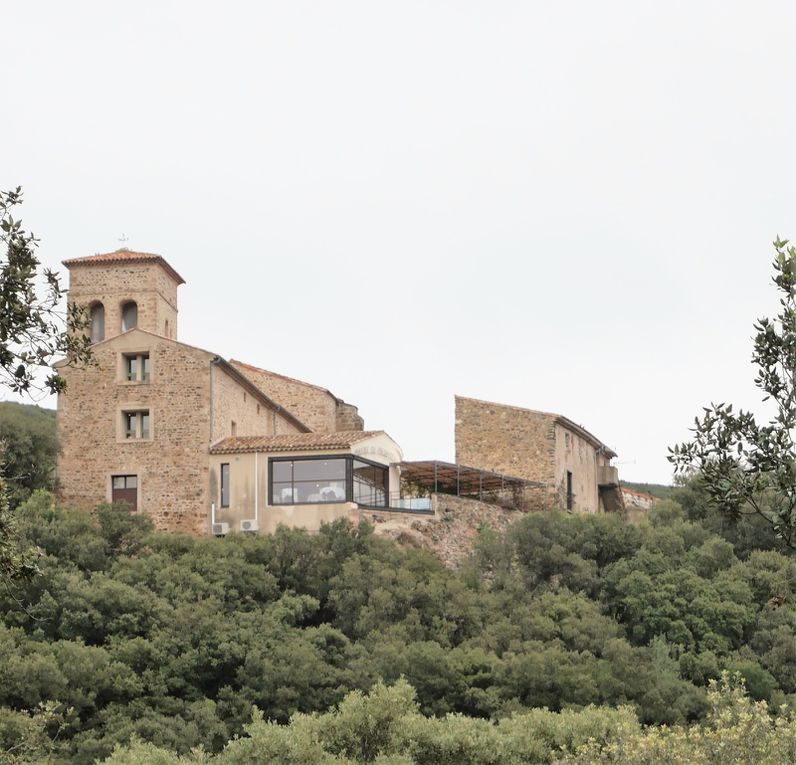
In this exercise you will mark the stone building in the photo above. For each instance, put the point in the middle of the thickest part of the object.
(573, 466)
(171, 428)
(202, 444)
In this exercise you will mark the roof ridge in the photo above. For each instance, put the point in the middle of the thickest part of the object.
(124, 255)
(560, 418)
(509, 406)
(342, 439)
(283, 377)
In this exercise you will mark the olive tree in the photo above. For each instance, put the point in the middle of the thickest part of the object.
(749, 467)
(34, 331)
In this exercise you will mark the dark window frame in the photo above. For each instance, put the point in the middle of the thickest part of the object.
(349, 478)
(570, 493)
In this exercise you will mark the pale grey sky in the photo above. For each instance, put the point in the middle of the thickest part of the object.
(561, 205)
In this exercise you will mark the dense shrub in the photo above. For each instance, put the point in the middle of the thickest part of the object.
(130, 634)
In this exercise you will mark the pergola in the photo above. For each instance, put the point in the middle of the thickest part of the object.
(450, 478)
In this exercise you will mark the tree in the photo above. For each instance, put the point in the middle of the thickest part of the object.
(746, 467)
(34, 331)
(30, 451)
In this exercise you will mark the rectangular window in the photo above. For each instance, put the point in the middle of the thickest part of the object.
(135, 424)
(136, 367)
(328, 479)
(309, 481)
(225, 484)
(124, 488)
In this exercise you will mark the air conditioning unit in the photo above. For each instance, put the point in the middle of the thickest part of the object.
(220, 529)
(250, 525)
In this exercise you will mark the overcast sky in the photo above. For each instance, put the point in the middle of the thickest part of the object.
(565, 206)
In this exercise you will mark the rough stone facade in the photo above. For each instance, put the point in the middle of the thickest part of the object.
(115, 283)
(317, 407)
(562, 457)
(191, 397)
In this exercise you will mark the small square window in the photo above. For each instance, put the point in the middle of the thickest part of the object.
(135, 425)
(136, 367)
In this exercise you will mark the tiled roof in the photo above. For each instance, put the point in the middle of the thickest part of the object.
(124, 255)
(293, 442)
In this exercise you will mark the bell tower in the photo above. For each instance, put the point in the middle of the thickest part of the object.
(125, 289)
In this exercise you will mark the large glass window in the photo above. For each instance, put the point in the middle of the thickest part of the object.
(370, 484)
(333, 479)
(308, 481)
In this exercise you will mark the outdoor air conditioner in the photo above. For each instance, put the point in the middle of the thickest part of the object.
(249, 525)
(220, 529)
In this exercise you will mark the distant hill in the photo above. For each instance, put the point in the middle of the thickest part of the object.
(30, 449)
(659, 490)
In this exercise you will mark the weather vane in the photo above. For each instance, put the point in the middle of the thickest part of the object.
(124, 239)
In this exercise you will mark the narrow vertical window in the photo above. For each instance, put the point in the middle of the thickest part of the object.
(225, 484)
(233, 427)
(97, 322)
(570, 495)
(129, 315)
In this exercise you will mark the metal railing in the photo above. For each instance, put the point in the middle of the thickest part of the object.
(394, 503)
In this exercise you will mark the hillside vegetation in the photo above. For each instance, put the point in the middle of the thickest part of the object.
(28, 449)
(174, 640)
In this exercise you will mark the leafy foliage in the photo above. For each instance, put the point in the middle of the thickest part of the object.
(746, 466)
(30, 449)
(172, 641)
(34, 331)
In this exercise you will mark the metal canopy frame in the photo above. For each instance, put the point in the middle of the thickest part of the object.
(461, 480)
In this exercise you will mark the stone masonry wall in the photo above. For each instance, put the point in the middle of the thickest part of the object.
(505, 439)
(314, 406)
(233, 403)
(172, 466)
(347, 417)
(147, 284)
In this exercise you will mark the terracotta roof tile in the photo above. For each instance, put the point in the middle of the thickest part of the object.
(124, 255)
(292, 442)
